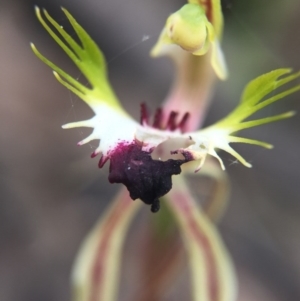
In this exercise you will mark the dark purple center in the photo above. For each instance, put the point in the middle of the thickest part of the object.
(145, 178)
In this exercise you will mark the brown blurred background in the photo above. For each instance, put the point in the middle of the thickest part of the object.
(51, 192)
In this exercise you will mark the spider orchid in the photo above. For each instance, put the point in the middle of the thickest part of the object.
(129, 145)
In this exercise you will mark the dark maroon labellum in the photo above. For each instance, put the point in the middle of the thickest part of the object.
(145, 178)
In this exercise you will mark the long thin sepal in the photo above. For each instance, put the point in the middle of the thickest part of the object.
(96, 270)
(212, 273)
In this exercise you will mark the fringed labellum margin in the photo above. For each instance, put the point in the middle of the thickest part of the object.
(128, 145)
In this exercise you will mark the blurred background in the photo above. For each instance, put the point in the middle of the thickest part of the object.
(51, 192)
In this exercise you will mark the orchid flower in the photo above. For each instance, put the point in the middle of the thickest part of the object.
(129, 145)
